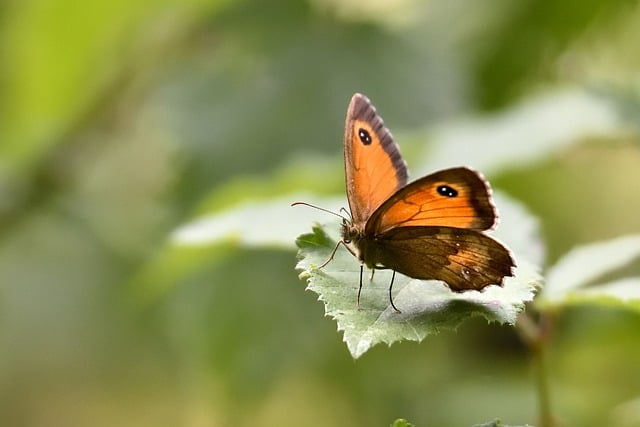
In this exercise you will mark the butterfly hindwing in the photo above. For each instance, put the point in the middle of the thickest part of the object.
(464, 259)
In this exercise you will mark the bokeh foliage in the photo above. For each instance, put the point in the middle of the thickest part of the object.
(121, 121)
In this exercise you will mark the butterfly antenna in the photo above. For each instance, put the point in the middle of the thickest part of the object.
(320, 209)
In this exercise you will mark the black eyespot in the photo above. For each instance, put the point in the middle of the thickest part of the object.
(364, 136)
(445, 190)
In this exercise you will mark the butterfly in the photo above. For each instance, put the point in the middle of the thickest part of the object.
(431, 228)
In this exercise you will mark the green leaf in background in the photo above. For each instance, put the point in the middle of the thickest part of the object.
(578, 277)
(53, 79)
(539, 126)
(497, 423)
(246, 212)
(400, 422)
(627, 413)
(271, 223)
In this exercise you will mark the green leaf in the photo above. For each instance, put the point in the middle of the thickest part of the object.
(496, 423)
(256, 210)
(623, 293)
(400, 422)
(427, 306)
(273, 223)
(578, 277)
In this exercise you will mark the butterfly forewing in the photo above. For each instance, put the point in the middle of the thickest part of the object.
(374, 168)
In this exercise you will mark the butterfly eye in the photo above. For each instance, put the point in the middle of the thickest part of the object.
(445, 190)
(364, 136)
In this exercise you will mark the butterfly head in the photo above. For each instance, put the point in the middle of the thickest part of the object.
(353, 234)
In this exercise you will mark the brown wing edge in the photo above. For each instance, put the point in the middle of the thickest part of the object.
(489, 190)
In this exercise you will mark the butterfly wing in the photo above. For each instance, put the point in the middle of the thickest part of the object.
(429, 229)
(464, 259)
(456, 197)
(432, 229)
(374, 169)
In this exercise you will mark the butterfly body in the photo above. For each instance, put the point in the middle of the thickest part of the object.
(431, 228)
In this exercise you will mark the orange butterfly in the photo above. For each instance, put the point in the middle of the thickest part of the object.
(431, 228)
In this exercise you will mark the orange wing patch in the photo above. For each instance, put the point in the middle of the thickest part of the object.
(374, 177)
(456, 197)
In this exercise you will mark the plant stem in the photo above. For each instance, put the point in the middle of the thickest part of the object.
(542, 385)
(535, 336)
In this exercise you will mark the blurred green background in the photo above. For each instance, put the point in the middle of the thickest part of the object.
(122, 120)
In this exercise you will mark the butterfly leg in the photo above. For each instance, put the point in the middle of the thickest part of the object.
(360, 288)
(393, 276)
(341, 242)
